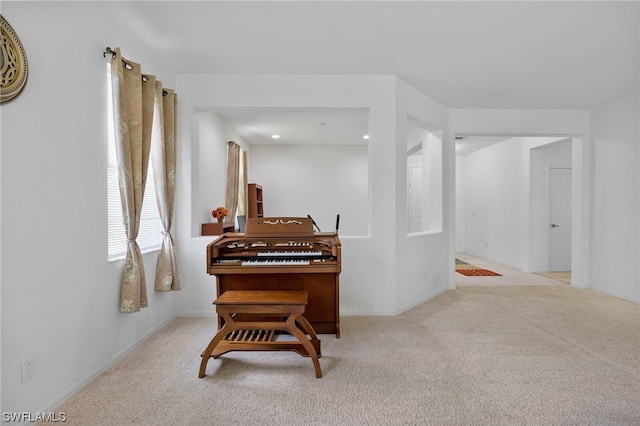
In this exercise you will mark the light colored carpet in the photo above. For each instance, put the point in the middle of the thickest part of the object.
(565, 277)
(532, 355)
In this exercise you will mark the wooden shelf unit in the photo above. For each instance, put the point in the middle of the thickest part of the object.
(255, 200)
(217, 228)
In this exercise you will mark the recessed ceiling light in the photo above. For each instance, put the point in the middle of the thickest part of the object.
(275, 136)
(366, 137)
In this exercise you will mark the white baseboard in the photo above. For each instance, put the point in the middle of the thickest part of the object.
(615, 294)
(578, 284)
(60, 399)
(197, 314)
(428, 297)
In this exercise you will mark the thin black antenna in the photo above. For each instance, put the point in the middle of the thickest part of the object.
(314, 222)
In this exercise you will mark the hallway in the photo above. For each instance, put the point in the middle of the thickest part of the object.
(510, 275)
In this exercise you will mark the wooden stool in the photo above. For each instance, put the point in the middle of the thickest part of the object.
(237, 335)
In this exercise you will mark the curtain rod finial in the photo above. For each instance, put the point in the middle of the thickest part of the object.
(109, 50)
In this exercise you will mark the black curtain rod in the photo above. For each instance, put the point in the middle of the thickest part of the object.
(113, 56)
(108, 50)
(112, 52)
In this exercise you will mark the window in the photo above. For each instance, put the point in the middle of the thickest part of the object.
(150, 231)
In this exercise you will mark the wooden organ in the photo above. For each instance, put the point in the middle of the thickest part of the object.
(282, 254)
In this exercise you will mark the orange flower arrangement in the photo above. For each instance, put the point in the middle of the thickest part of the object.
(219, 213)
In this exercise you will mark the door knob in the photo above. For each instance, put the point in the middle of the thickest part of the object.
(553, 225)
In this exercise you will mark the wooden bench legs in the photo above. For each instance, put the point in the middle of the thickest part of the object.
(237, 335)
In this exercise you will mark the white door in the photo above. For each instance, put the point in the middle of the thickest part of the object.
(415, 198)
(560, 219)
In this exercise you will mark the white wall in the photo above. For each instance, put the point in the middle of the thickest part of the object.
(615, 250)
(321, 181)
(204, 171)
(209, 184)
(367, 283)
(460, 200)
(370, 277)
(60, 295)
(605, 178)
(1, 317)
(424, 260)
(496, 203)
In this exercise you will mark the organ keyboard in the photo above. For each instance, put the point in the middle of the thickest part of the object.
(285, 254)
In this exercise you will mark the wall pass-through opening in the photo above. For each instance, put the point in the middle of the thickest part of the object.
(424, 178)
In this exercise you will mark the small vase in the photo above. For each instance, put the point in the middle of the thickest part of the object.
(220, 219)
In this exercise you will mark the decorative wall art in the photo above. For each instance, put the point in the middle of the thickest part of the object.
(13, 63)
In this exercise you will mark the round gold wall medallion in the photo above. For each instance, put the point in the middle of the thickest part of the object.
(13, 63)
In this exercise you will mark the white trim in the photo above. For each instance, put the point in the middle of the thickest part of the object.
(64, 396)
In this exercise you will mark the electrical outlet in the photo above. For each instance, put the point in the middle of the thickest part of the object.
(28, 368)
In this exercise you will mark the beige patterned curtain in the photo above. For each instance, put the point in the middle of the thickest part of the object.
(133, 103)
(242, 184)
(163, 159)
(233, 179)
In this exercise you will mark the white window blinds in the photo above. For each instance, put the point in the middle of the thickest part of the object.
(150, 231)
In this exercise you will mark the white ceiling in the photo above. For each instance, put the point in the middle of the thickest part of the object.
(300, 126)
(476, 54)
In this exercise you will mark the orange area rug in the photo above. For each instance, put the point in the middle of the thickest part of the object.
(471, 270)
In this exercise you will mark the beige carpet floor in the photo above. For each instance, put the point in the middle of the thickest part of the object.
(529, 355)
(565, 277)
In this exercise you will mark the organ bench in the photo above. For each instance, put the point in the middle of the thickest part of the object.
(246, 335)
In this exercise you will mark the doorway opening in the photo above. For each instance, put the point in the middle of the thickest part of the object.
(510, 191)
